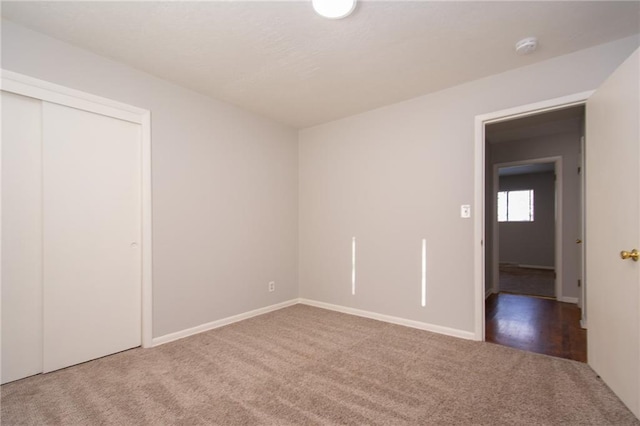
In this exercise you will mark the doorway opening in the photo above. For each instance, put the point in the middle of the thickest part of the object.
(533, 227)
(526, 226)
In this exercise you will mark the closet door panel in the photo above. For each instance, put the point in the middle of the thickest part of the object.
(21, 237)
(91, 235)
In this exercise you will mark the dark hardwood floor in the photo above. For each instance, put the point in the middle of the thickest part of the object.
(536, 324)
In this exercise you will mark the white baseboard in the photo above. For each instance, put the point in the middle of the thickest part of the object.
(583, 324)
(220, 323)
(567, 299)
(157, 341)
(391, 319)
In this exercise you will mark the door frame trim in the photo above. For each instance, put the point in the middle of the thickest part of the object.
(479, 186)
(40, 89)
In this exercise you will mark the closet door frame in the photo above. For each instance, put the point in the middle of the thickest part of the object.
(39, 89)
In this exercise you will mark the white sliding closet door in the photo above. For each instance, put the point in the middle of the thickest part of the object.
(21, 237)
(73, 224)
(91, 235)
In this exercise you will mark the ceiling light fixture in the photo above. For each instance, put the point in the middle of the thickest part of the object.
(526, 46)
(334, 9)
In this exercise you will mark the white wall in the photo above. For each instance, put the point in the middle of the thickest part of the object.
(225, 219)
(232, 191)
(395, 175)
(530, 243)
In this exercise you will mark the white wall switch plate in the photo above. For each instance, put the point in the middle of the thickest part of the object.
(465, 211)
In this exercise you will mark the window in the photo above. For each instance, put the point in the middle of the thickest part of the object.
(515, 206)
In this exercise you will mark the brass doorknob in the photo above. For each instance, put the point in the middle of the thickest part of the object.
(634, 254)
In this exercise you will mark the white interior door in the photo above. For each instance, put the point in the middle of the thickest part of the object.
(21, 237)
(613, 215)
(91, 235)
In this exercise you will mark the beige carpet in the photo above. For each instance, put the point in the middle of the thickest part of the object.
(307, 366)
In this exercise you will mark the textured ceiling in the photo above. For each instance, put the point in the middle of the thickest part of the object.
(281, 60)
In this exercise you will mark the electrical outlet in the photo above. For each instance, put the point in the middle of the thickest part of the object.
(272, 286)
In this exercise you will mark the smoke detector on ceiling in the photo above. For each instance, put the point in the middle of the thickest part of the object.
(526, 46)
